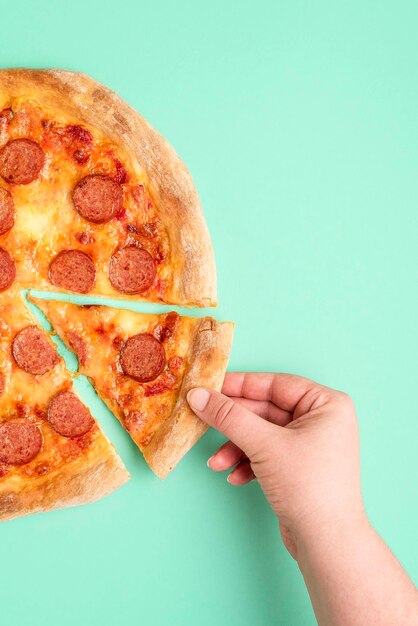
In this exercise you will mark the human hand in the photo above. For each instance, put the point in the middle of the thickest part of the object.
(297, 438)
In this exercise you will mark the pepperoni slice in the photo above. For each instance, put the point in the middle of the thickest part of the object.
(72, 270)
(132, 270)
(20, 442)
(97, 198)
(7, 270)
(142, 358)
(68, 416)
(7, 211)
(33, 352)
(21, 160)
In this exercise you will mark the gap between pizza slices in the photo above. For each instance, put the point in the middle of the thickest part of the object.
(94, 201)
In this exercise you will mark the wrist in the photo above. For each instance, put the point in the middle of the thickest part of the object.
(325, 518)
(327, 534)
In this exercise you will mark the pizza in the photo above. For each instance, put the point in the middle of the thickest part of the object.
(142, 366)
(94, 201)
(52, 451)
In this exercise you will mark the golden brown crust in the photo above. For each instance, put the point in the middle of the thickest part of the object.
(194, 276)
(208, 360)
(88, 478)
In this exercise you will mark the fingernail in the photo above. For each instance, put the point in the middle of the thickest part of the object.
(198, 398)
(209, 460)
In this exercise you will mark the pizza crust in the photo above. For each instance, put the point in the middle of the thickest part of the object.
(75, 94)
(208, 360)
(84, 480)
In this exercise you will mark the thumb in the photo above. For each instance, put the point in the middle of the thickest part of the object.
(243, 427)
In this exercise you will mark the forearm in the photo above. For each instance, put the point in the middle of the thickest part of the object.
(353, 578)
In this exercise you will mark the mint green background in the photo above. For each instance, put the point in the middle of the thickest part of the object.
(298, 122)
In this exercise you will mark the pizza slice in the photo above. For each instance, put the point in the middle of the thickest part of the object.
(52, 451)
(142, 366)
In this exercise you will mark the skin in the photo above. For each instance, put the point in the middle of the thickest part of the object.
(300, 441)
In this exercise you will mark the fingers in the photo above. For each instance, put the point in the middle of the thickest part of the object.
(242, 474)
(243, 427)
(266, 409)
(248, 385)
(229, 455)
(285, 390)
(226, 457)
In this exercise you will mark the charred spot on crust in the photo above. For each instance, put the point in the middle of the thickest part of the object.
(207, 324)
(98, 94)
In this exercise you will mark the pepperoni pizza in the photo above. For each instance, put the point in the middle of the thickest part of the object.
(94, 201)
